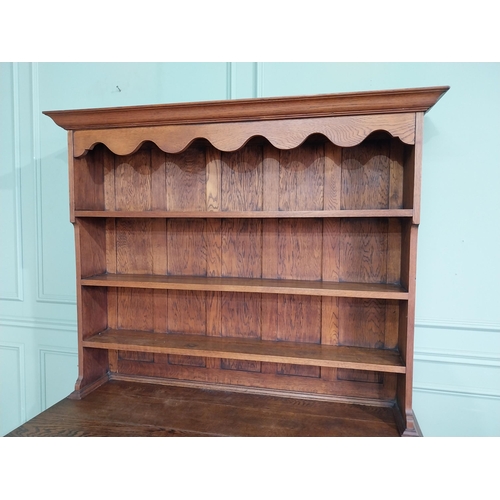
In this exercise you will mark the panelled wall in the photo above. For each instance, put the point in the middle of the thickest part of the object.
(457, 345)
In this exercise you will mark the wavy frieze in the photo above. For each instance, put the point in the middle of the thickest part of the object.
(343, 131)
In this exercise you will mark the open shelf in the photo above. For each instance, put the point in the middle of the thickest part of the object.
(257, 214)
(252, 285)
(265, 246)
(357, 358)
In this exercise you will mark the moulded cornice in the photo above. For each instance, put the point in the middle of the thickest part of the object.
(240, 110)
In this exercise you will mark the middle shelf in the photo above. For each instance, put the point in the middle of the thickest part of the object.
(250, 285)
(358, 358)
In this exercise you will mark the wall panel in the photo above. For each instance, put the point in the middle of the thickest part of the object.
(12, 386)
(11, 261)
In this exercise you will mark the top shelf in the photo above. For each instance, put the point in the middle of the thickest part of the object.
(260, 214)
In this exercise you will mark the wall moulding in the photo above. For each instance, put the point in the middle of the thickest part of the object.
(44, 352)
(39, 323)
(19, 351)
(17, 294)
(456, 392)
(457, 325)
(42, 294)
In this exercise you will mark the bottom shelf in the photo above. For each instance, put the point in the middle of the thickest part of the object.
(122, 408)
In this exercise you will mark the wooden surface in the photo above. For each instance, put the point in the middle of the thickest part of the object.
(249, 349)
(261, 214)
(260, 244)
(344, 131)
(269, 108)
(120, 408)
(254, 285)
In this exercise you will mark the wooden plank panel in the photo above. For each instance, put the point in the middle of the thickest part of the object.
(197, 361)
(330, 272)
(330, 305)
(271, 178)
(241, 313)
(190, 237)
(89, 181)
(146, 357)
(299, 320)
(302, 178)
(242, 257)
(241, 248)
(111, 245)
(241, 179)
(108, 166)
(333, 177)
(213, 179)
(363, 251)
(256, 381)
(92, 318)
(299, 249)
(91, 241)
(391, 324)
(133, 181)
(158, 180)
(299, 317)
(365, 176)
(186, 180)
(111, 268)
(394, 248)
(214, 267)
(396, 175)
(135, 309)
(186, 312)
(362, 322)
(270, 270)
(213, 299)
(134, 248)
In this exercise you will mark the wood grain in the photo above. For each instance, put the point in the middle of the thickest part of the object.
(249, 349)
(255, 285)
(133, 181)
(365, 176)
(270, 108)
(121, 408)
(257, 245)
(241, 180)
(260, 214)
(186, 173)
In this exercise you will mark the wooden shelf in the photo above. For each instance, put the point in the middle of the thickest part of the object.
(258, 214)
(317, 197)
(252, 285)
(250, 350)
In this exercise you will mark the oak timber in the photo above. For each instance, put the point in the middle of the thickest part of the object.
(253, 285)
(121, 408)
(257, 245)
(250, 349)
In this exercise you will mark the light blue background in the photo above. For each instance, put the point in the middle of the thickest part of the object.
(457, 346)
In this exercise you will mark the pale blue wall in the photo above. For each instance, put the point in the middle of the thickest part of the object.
(457, 348)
